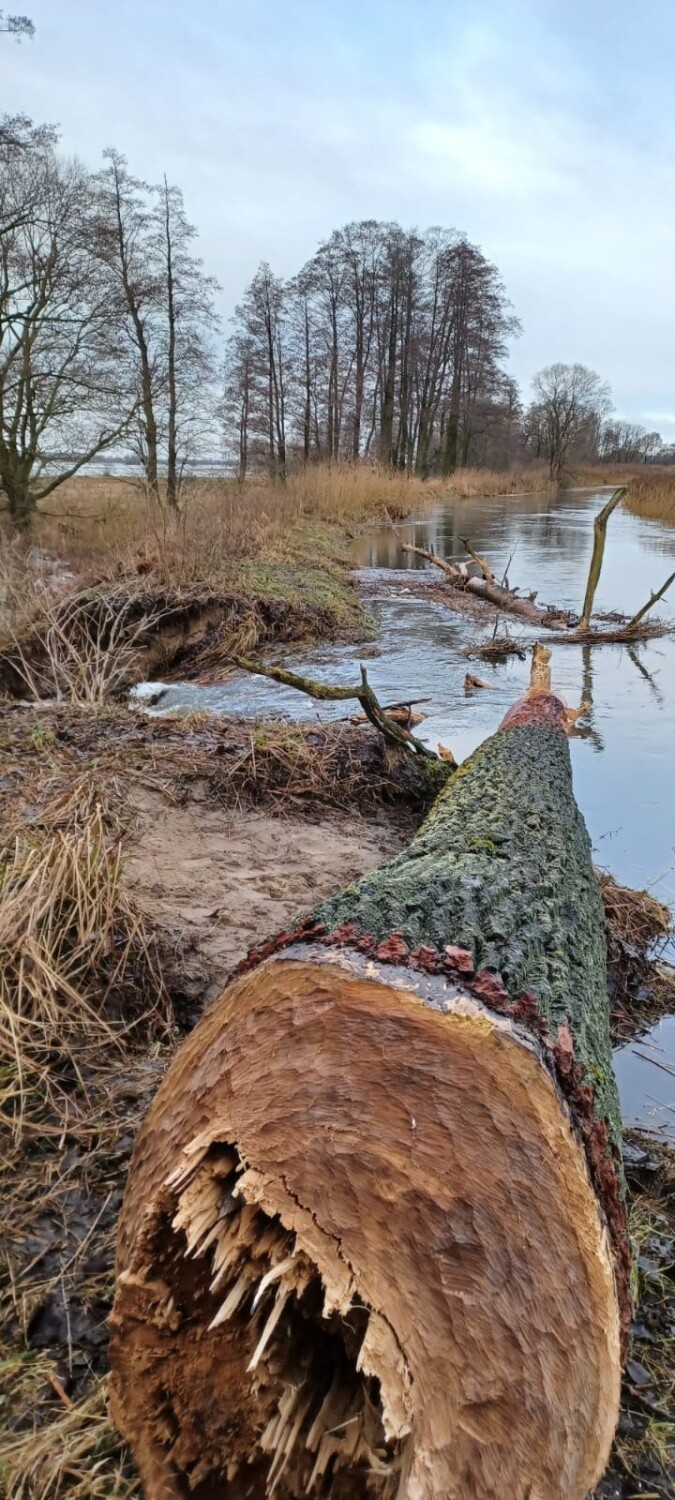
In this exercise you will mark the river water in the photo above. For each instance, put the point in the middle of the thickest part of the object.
(624, 759)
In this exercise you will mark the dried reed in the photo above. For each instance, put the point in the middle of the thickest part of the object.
(78, 1454)
(76, 970)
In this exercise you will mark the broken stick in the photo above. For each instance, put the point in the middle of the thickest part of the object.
(599, 536)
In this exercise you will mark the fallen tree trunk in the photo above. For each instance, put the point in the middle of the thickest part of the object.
(374, 1240)
(491, 592)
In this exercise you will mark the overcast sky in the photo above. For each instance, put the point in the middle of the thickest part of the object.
(545, 131)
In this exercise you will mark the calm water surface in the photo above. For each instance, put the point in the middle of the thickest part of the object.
(623, 763)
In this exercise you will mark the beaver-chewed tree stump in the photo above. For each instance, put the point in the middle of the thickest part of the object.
(374, 1241)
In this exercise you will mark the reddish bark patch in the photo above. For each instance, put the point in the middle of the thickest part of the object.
(526, 1010)
(307, 931)
(427, 958)
(459, 958)
(394, 950)
(489, 986)
(541, 708)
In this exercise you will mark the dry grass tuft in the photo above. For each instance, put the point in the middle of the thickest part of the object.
(78, 1454)
(642, 985)
(81, 649)
(634, 917)
(643, 1457)
(76, 969)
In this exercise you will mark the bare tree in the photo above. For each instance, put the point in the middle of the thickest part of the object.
(262, 320)
(123, 231)
(570, 403)
(17, 26)
(63, 397)
(652, 447)
(239, 395)
(189, 322)
(164, 307)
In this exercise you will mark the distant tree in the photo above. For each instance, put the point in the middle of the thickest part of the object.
(123, 229)
(565, 419)
(262, 326)
(63, 397)
(622, 442)
(16, 26)
(652, 447)
(189, 322)
(164, 306)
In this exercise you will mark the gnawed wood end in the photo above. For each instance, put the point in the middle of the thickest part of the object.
(540, 705)
(360, 1254)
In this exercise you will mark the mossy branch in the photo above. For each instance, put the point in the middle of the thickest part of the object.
(327, 693)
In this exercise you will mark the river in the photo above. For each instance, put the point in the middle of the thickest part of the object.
(623, 761)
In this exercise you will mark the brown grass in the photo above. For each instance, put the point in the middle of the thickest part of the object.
(650, 487)
(78, 1454)
(652, 494)
(98, 519)
(76, 969)
(221, 520)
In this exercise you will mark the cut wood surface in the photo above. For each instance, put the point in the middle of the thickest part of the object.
(374, 1241)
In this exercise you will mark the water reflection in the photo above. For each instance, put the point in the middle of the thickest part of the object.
(547, 536)
(645, 1074)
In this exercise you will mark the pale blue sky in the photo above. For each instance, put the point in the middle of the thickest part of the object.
(545, 131)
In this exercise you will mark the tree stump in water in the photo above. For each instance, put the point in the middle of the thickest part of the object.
(374, 1241)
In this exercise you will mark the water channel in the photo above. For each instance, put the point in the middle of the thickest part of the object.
(624, 759)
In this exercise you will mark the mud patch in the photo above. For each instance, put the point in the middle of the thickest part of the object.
(220, 879)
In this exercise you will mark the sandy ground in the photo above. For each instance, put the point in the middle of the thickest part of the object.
(221, 880)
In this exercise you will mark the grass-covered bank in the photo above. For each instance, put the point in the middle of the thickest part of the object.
(650, 488)
(107, 573)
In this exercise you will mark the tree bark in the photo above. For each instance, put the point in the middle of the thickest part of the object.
(374, 1240)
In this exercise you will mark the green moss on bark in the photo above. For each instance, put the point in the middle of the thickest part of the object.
(502, 866)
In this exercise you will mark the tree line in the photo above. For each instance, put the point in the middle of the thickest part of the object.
(388, 346)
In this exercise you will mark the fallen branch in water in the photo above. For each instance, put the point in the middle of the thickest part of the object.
(483, 563)
(485, 588)
(646, 607)
(325, 693)
(569, 630)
